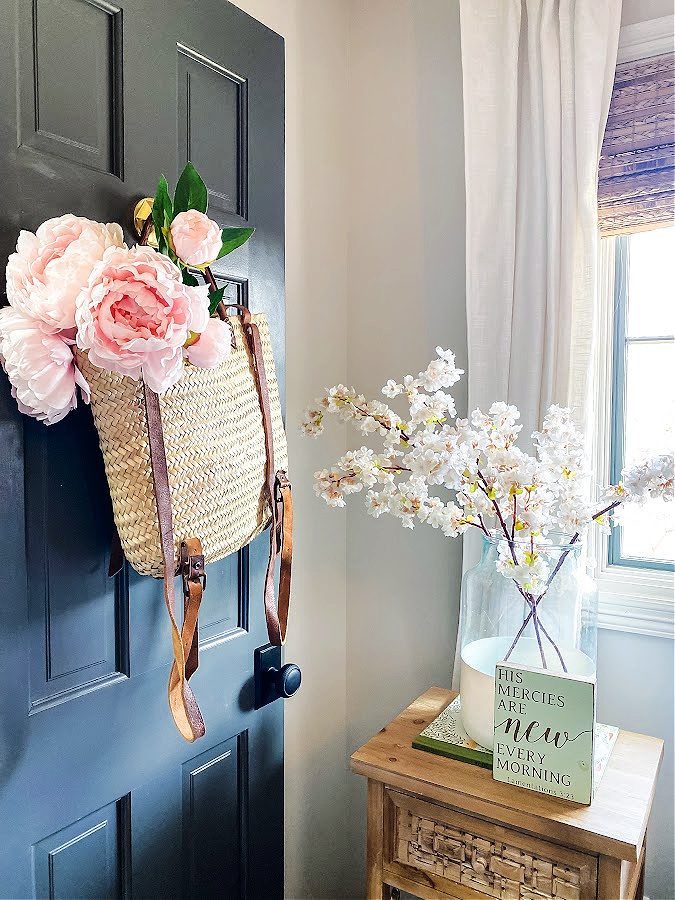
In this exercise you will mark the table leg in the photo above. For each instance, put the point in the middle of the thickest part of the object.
(375, 887)
(609, 878)
(640, 889)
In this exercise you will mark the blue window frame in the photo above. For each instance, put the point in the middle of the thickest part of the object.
(623, 340)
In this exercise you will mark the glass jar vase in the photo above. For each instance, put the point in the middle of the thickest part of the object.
(551, 629)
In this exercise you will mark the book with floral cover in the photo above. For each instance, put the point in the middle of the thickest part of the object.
(446, 737)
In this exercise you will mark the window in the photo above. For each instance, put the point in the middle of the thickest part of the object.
(643, 403)
(633, 361)
(633, 570)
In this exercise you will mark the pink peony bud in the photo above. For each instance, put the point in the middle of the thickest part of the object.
(212, 347)
(196, 239)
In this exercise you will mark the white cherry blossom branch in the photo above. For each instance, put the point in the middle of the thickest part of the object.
(478, 461)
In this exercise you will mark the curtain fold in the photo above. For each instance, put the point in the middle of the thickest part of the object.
(537, 78)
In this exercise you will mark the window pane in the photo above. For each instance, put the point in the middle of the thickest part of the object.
(650, 399)
(651, 276)
(648, 531)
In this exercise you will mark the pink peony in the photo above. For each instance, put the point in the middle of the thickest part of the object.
(135, 314)
(49, 267)
(212, 347)
(196, 239)
(40, 367)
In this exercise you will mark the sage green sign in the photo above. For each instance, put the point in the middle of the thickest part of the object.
(544, 732)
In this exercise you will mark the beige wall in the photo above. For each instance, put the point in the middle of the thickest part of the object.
(375, 263)
(406, 255)
(316, 291)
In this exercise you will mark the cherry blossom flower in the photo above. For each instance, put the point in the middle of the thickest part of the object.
(494, 485)
(649, 478)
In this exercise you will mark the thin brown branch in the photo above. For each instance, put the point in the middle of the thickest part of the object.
(145, 231)
(364, 412)
(211, 281)
(509, 539)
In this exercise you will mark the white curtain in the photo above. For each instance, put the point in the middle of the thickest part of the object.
(538, 78)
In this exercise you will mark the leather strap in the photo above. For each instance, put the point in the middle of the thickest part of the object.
(284, 543)
(279, 495)
(182, 702)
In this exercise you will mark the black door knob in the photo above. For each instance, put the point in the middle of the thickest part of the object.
(286, 680)
(271, 679)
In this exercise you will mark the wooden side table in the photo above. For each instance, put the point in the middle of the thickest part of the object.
(442, 828)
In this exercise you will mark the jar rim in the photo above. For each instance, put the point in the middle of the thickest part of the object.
(553, 541)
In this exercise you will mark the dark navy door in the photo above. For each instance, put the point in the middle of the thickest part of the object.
(99, 795)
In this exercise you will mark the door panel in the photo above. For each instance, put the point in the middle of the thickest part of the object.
(77, 638)
(210, 98)
(72, 111)
(99, 795)
(84, 859)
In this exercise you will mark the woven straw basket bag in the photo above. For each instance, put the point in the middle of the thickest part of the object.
(215, 453)
(194, 475)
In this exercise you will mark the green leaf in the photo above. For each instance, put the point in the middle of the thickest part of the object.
(215, 298)
(162, 213)
(191, 191)
(189, 279)
(233, 238)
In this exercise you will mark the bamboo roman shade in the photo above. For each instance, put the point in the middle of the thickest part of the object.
(636, 187)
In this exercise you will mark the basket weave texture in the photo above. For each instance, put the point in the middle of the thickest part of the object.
(215, 452)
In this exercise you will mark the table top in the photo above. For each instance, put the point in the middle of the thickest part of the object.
(614, 824)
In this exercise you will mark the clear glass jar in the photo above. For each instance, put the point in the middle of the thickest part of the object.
(553, 629)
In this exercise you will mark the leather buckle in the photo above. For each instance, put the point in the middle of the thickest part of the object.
(192, 568)
(280, 482)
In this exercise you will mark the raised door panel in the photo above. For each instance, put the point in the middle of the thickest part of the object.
(180, 834)
(215, 787)
(212, 129)
(77, 614)
(72, 111)
(85, 859)
(212, 112)
(224, 608)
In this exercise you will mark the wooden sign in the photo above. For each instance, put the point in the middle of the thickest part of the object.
(544, 732)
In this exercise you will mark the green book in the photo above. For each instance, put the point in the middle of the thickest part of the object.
(446, 737)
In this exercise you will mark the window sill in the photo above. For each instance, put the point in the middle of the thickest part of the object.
(637, 615)
(635, 600)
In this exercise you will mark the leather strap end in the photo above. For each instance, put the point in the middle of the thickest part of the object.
(281, 542)
(116, 554)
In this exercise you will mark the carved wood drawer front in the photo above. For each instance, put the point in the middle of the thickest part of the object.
(463, 856)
